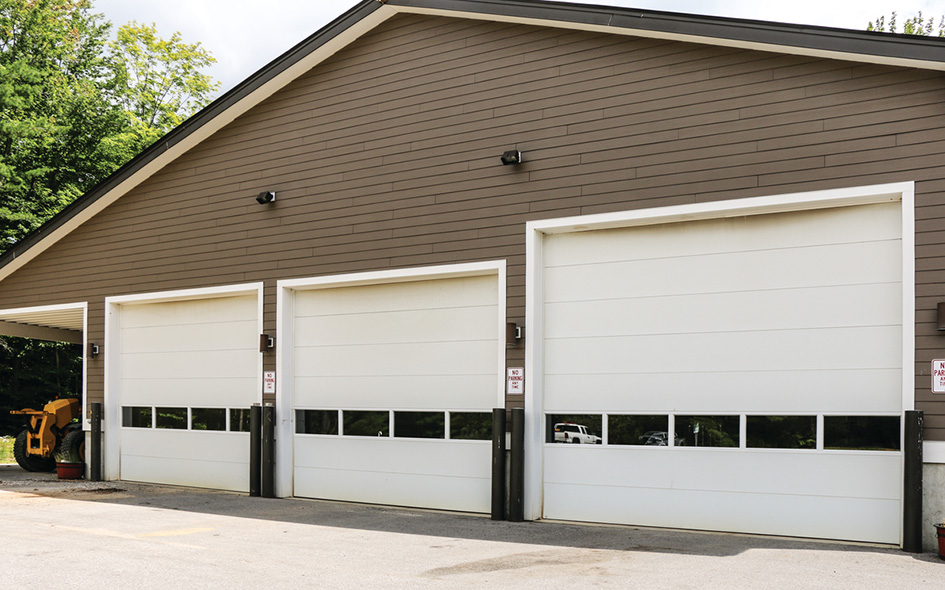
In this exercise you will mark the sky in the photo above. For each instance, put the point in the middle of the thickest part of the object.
(245, 35)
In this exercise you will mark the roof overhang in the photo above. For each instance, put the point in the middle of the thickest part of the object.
(57, 323)
(864, 47)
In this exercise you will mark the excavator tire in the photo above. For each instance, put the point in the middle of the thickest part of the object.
(73, 445)
(30, 462)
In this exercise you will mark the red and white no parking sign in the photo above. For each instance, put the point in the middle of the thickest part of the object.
(938, 376)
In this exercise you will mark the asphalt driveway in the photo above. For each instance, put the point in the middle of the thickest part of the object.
(61, 534)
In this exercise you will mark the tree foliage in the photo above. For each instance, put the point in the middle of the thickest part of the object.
(916, 25)
(52, 111)
(75, 105)
(157, 82)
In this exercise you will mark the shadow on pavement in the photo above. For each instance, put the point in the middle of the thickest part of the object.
(414, 521)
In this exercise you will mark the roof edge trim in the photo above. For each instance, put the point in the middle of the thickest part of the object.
(913, 51)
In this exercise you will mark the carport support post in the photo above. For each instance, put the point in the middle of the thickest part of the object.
(912, 483)
(498, 464)
(268, 451)
(95, 442)
(517, 467)
(255, 449)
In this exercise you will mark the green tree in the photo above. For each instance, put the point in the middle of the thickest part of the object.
(916, 25)
(52, 111)
(75, 106)
(158, 83)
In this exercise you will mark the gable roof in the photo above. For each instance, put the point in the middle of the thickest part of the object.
(824, 42)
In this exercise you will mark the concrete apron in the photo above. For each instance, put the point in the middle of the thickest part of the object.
(126, 535)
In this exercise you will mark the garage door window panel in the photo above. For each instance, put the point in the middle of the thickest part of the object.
(470, 426)
(420, 424)
(239, 419)
(136, 417)
(645, 430)
(208, 419)
(316, 421)
(574, 428)
(171, 418)
(366, 423)
(708, 431)
(862, 433)
(781, 432)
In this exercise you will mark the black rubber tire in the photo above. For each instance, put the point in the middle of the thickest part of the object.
(73, 445)
(27, 461)
(575, 441)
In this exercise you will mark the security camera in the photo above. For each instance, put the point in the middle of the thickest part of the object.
(266, 197)
(512, 157)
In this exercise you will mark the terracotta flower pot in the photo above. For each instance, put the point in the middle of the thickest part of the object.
(70, 470)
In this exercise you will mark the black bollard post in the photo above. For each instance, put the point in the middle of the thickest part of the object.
(912, 483)
(517, 467)
(498, 464)
(255, 450)
(268, 451)
(95, 443)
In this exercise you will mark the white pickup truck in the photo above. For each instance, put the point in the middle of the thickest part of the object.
(569, 432)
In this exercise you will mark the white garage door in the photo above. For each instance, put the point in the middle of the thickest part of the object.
(770, 346)
(393, 388)
(189, 373)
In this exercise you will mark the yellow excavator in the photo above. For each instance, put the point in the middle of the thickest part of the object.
(50, 433)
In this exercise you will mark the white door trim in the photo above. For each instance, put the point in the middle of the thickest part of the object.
(285, 304)
(904, 192)
(111, 421)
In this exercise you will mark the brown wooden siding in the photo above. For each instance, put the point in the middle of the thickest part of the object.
(387, 155)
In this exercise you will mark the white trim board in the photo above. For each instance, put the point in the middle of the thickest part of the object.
(903, 192)
(933, 452)
(400, 275)
(188, 294)
(285, 292)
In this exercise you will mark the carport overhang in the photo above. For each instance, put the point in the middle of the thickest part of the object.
(56, 323)
(53, 323)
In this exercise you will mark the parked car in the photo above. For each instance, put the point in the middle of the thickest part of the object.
(660, 439)
(569, 432)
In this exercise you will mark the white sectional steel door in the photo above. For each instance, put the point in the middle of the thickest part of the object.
(757, 341)
(393, 386)
(189, 371)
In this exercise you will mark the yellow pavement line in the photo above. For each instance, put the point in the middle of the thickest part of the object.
(139, 537)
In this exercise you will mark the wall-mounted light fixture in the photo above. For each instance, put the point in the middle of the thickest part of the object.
(511, 157)
(266, 343)
(93, 350)
(513, 334)
(266, 197)
(941, 317)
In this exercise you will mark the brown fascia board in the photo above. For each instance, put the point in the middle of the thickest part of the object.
(873, 47)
